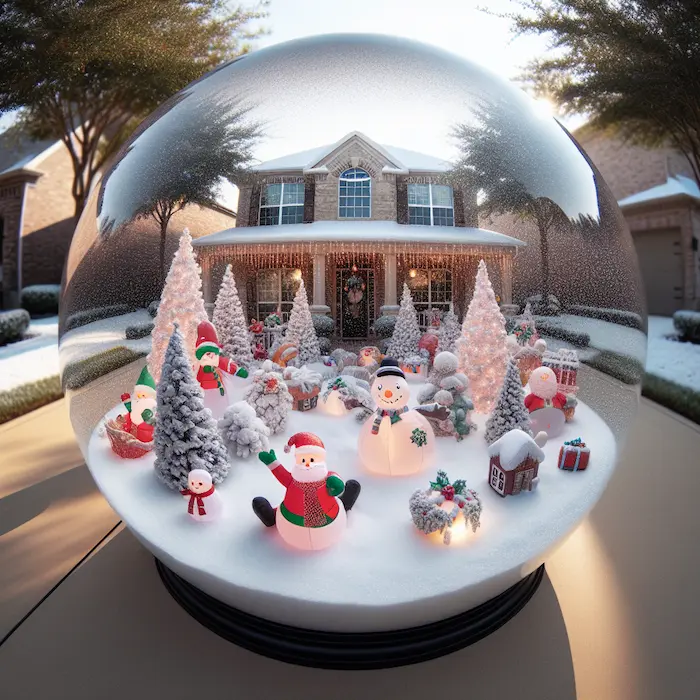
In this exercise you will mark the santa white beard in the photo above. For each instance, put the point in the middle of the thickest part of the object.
(138, 406)
(318, 472)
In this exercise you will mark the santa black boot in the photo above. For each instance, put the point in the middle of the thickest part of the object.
(349, 496)
(264, 511)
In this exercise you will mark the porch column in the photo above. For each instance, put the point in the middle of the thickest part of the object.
(507, 306)
(319, 280)
(390, 307)
(206, 265)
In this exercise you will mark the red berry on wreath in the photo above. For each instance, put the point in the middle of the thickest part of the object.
(448, 492)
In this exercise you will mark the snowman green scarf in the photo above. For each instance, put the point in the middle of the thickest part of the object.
(395, 417)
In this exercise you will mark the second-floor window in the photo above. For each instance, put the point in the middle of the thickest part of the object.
(354, 194)
(282, 204)
(431, 205)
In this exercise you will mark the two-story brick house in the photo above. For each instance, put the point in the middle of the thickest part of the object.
(355, 215)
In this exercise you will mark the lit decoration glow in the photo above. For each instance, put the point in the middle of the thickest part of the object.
(545, 402)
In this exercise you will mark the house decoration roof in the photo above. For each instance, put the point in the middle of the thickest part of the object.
(402, 160)
(676, 186)
(358, 231)
(19, 152)
(514, 448)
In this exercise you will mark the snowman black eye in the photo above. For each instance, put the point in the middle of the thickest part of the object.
(379, 386)
(398, 386)
(311, 460)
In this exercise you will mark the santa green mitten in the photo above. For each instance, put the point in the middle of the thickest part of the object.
(267, 458)
(242, 372)
(334, 485)
(148, 416)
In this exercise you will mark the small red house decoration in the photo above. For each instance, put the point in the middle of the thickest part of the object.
(515, 461)
(564, 363)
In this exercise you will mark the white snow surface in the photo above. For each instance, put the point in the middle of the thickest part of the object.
(383, 574)
(669, 359)
(513, 448)
(673, 187)
(357, 231)
(32, 359)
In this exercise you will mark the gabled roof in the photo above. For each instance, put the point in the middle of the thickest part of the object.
(19, 152)
(399, 160)
(677, 186)
(514, 448)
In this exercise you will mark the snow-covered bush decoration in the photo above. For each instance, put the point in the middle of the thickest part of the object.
(323, 325)
(552, 307)
(407, 333)
(449, 332)
(354, 393)
(230, 322)
(243, 433)
(324, 345)
(300, 329)
(152, 308)
(344, 359)
(270, 397)
(445, 364)
(687, 323)
(361, 373)
(384, 326)
(13, 325)
(509, 412)
(185, 434)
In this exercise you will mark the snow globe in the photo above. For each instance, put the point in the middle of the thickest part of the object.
(327, 195)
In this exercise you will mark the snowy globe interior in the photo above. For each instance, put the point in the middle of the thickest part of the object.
(357, 300)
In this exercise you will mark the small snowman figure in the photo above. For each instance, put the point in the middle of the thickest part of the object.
(545, 402)
(204, 503)
(398, 441)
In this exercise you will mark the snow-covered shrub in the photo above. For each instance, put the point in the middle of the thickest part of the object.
(13, 325)
(687, 323)
(361, 373)
(344, 358)
(552, 307)
(82, 318)
(78, 374)
(554, 330)
(324, 345)
(243, 433)
(138, 330)
(270, 397)
(152, 308)
(384, 326)
(619, 316)
(22, 399)
(323, 325)
(41, 299)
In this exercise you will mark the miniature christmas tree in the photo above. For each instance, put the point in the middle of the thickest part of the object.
(181, 301)
(242, 431)
(270, 397)
(185, 434)
(300, 329)
(510, 411)
(230, 322)
(404, 341)
(482, 349)
(449, 332)
(525, 330)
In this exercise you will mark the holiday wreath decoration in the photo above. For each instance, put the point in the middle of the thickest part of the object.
(354, 292)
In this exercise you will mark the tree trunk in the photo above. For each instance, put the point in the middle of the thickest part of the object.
(163, 238)
(544, 252)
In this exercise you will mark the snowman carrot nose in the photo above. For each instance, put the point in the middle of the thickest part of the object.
(388, 394)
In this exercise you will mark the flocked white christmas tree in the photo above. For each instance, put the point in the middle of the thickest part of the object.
(185, 434)
(509, 412)
(181, 302)
(300, 328)
(403, 345)
(449, 332)
(482, 350)
(230, 322)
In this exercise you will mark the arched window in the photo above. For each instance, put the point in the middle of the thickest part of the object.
(354, 194)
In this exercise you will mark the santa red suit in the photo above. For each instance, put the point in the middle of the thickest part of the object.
(534, 402)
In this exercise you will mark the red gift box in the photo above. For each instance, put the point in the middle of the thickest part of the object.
(574, 458)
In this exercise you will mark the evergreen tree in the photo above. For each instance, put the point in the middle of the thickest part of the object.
(449, 332)
(509, 412)
(181, 302)
(230, 322)
(525, 330)
(270, 397)
(300, 328)
(482, 350)
(404, 341)
(185, 435)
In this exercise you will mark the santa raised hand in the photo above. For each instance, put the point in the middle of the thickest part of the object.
(312, 514)
(210, 360)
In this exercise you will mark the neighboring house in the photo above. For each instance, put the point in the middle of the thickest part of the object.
(36, 212)
(355, 216)
(661, 204)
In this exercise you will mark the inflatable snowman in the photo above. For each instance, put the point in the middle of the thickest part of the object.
(396, 441)
(204, 504)
(545, 402)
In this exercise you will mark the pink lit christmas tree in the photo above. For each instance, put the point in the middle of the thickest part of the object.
(482, 350)
(181, 301)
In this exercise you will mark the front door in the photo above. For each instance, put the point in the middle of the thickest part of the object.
(355, 289)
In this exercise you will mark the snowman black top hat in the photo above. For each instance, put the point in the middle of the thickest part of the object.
(390, 368)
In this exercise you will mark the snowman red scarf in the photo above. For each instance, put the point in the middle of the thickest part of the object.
(199, 497)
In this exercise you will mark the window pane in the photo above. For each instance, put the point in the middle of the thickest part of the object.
(269, 216)
(271, 195)
(354, 174)
(293, 193)
(354, 198)
(419, 216)
(442, 196)
(293, 215)
(289, 285)
(443, 217)
(419, 194)
(268, 289)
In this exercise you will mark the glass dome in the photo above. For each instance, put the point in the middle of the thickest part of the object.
(358, 164)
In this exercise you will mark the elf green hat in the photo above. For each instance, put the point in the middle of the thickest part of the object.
(145, 382)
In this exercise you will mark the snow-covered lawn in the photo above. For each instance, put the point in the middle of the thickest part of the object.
(669, 359)
(31, 359)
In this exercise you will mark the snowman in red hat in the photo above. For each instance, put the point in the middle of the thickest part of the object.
(312, 514)
(209, 365)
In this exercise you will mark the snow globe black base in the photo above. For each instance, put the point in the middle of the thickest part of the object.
(350, 651)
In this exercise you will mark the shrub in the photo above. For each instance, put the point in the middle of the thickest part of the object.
(619, 316)
(13, 325)
(82, 318)
(139, 330)
(384, 326)
(324, 345)
(41, 299)
(680, 399)
(626, 369)
(28, 397)
(551, 308)
(82, 372)
(323, 325)
(687, 323)
(554, 330)
(152, 308)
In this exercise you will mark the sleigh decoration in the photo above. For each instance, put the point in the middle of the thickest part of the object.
(129, 444)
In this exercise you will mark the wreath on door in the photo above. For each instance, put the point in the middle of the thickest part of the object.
(354, 293)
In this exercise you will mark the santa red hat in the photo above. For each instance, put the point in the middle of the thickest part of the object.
(308, 443)
(207, 340)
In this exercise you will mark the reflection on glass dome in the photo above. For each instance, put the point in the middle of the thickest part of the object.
(358, 178)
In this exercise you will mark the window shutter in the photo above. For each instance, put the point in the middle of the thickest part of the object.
(401, 200)
(465, 212)
(309, 198)
(254, 211)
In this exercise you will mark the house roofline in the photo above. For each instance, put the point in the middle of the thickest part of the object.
(21, 175)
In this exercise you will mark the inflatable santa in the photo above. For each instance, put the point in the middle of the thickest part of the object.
(545, 402)
(210, 364)
(312, 514)
(141, 407)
